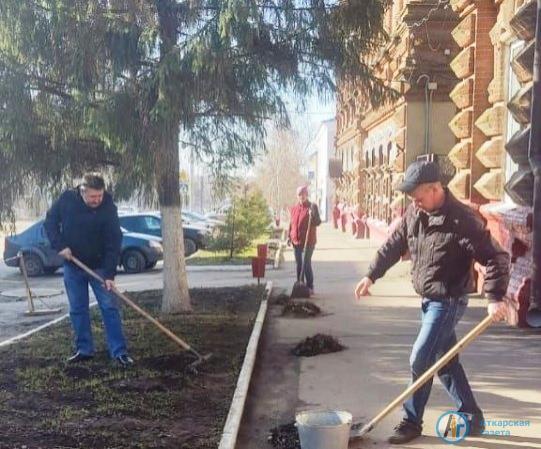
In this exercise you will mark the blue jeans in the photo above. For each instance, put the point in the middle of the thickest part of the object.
(76, 282)
(308, 273)
(436, 337)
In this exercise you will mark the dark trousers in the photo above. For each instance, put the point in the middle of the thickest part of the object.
(308, 273)
(435, 338)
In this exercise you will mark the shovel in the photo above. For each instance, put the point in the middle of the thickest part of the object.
(358, 432)
(179, 341)
(300, 289)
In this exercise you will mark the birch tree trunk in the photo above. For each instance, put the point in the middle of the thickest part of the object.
(176, 295)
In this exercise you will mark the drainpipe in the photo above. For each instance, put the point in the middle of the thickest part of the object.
(427, 110)
(534, 155)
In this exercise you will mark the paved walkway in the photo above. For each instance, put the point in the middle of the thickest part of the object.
(503, 365)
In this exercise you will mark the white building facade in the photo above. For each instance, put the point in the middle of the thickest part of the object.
(319, 151)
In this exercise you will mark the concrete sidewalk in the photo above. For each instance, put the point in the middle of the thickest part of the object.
(503, 365)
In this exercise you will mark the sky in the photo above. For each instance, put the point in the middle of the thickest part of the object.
(304, 120)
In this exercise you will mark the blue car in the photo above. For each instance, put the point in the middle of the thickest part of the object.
(195, 237)
(139, 252)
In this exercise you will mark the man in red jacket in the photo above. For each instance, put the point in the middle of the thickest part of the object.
(297, 235)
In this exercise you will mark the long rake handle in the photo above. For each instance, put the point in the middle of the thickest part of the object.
(465, 341)
(138, 309)
(305, 245)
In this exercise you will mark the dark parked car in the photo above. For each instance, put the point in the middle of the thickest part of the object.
(139, 252)
(151, 223)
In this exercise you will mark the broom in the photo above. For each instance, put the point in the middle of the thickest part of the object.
(300, 289)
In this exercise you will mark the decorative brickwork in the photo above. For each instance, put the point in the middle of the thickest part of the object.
(382, 141)
(491, 155)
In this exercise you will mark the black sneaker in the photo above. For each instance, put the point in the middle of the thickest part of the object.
(404, 432)
(78, 357)
(124, 360)
(477, 424)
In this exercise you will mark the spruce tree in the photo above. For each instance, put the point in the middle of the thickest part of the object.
(114, 84)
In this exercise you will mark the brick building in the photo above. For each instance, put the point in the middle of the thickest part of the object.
(376, 145)
(464, 71)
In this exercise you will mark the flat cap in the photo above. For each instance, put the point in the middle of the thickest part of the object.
(419, 172)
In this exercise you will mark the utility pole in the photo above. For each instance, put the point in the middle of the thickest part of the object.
(534, 155)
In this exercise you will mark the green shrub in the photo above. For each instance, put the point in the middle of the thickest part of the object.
(247, 219)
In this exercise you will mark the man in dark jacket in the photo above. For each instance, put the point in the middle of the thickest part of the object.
(84, 223)
(299, 234)
(444, 237)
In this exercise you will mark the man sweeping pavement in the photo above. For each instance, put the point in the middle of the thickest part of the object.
(84, 223)
(444, 237)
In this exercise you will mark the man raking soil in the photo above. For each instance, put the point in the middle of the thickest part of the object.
(84, 223)
(444, 237)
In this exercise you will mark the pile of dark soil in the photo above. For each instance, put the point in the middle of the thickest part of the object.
(318, 344)
(285, 436)
(302, 309)
(159, 403)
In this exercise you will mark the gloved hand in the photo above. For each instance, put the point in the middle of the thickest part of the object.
(288, 242)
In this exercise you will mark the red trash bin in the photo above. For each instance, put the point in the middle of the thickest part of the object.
(258, 268)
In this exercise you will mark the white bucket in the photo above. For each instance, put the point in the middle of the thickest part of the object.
(324, 429)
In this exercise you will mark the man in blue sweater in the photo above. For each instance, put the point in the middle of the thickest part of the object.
(83, 223)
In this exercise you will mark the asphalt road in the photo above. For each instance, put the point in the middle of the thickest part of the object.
(13, 320)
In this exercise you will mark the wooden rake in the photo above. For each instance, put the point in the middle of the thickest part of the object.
(179, 341)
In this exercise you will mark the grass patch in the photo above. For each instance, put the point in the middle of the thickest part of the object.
(205, 257)
(158, 403)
